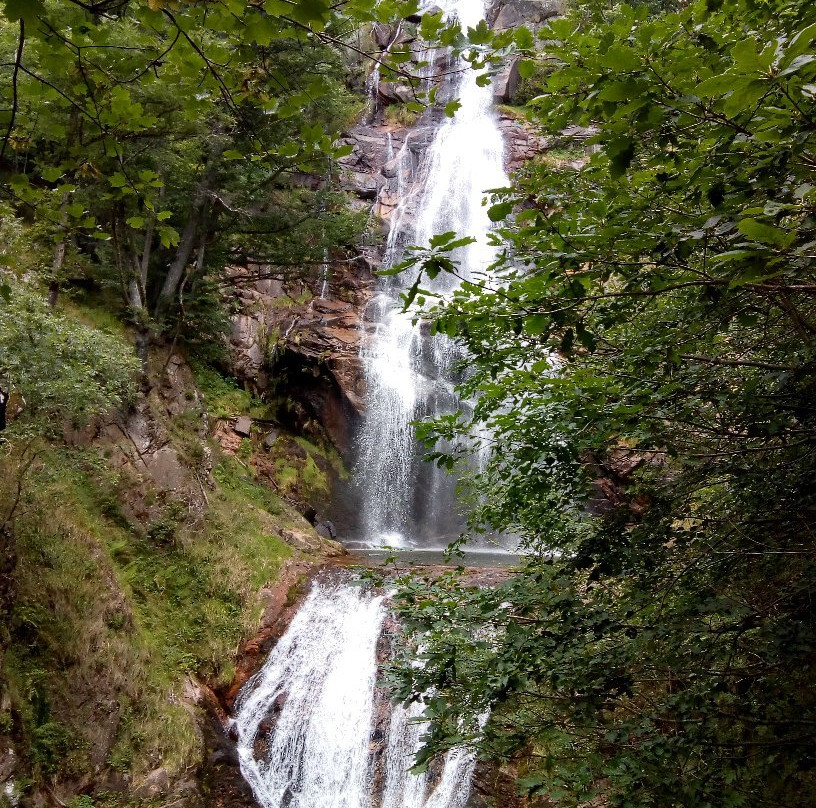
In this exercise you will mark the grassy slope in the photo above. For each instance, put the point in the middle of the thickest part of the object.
(112, 614)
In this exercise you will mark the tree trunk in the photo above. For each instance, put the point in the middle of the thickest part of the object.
(175, 273)
(59, 258)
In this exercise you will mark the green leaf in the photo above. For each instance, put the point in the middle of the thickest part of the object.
(523, 39)
(715, 86)
(744, 96)
(621, 58)
(169, 236)
(343, 151)
(262, 29)
(52, 173)
(798, 63)
(440, 239)
(526, 68)
(314, 13)
(621, 90)
(499, 211)
(452, 107)
(27, 10)
(620, 152)
(746, 57)
(480, 35)
(430, 26)
(764, 233)
(798, 44)
(536, 324)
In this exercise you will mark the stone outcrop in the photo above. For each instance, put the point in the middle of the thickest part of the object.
(532, 14)
(312, 330)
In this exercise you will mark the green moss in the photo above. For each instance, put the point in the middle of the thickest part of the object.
(327, 453)
(126, 611)
(287, 476)
(400, 115)
(315, 481)
(96, 314)
(223, 397)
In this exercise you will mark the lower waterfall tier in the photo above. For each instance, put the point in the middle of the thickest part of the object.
(315, 731)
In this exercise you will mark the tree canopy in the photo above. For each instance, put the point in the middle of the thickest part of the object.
(643, 358)
(151, 144)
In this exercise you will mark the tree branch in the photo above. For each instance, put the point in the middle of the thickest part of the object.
(15, 96)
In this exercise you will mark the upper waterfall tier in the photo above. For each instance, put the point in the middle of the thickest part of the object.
(409, 375)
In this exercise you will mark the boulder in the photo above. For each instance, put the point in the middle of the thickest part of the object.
(530, 13)
(362, 185)
(156, 784)
(382, 34)
(388, 92)
(506, 83)
(242, 426)
(301, 540)
(326, 529)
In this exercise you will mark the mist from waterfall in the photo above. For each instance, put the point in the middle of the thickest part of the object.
(406, 503)
(306, 722)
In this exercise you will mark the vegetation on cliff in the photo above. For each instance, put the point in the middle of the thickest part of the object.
(650, 332)
(146, 150)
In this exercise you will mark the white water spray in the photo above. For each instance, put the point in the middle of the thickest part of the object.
(306, 721)
(316, 691)
(408, 376)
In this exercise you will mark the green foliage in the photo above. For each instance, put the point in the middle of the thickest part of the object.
(223, 397)
(152, 147)
(107, 613)
(62, 368)
(650, 334)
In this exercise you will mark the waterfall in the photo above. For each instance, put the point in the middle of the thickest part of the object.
(406, 503)
(307, 720)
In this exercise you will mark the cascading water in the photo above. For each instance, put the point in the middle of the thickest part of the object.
(306, 721)
(406, 503)
(313, 729)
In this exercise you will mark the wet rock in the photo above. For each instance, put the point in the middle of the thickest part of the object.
(271, 438)
(300, 540)
(530, 13)
(242, 426)
(579, 132)
(8, 765)
(506, 83)
(363, 185)
(326, 529)
(382, 34)
(390, 93)
(156, 784)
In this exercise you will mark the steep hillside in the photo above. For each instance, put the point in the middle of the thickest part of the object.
(140, 557)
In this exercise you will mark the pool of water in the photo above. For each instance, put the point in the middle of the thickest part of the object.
(433, 556)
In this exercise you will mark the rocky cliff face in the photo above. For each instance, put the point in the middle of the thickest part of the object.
(312, 332)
